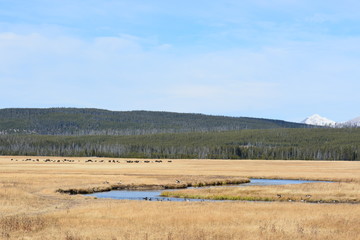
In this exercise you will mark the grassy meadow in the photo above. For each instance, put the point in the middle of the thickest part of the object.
(31, 207)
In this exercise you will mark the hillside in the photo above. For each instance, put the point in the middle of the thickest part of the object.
(77, 121)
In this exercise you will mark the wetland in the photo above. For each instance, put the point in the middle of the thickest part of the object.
(157, 195)
(32, 208)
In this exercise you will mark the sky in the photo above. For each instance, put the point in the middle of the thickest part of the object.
(279, 59)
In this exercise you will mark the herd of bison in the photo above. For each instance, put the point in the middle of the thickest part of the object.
(65, 160)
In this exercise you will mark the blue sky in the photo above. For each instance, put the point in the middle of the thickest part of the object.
(281, 59)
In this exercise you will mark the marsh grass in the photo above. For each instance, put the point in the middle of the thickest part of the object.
(12, 227)
(22, 223)
(200, 181)
(333, 192)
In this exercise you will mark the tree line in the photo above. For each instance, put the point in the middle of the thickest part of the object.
(287, 144)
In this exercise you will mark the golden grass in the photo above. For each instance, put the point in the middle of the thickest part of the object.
(30, 208)
(334, 192)
(179, 220)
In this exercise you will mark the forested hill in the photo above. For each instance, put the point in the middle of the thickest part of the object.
(84, 121)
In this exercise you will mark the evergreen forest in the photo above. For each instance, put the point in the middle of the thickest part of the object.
(279, 143)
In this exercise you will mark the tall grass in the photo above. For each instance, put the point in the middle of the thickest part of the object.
(12, 227)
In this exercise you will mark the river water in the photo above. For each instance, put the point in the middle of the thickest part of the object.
(154, 195)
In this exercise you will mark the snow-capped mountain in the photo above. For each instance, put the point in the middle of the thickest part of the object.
(318, 120)
(352, 123)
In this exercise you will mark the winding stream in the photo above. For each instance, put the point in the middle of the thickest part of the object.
(154, 195)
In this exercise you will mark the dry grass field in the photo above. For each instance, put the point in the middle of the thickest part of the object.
(30, 207)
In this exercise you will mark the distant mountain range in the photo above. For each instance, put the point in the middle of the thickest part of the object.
(85, 121)
(318, 120)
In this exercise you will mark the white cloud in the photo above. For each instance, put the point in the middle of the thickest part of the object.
(127, 72)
